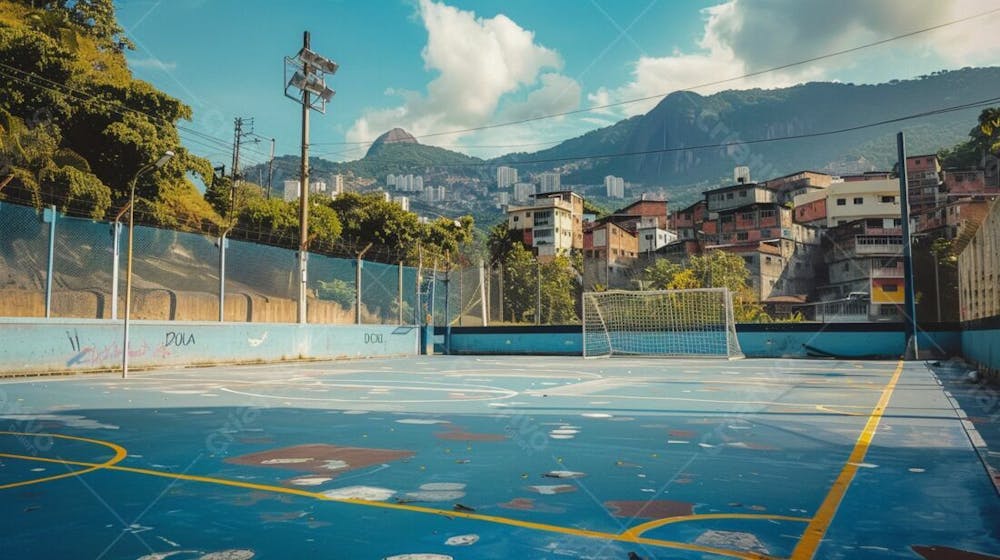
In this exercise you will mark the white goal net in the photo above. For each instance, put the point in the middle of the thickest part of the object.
(695, 322)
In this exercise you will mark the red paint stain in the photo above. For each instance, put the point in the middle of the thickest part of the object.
(653, 509)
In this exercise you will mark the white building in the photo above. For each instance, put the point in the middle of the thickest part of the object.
(506, 176)
(652, 238)
(292, 190)
(547, 226)
(407, 183)
(403, 202)
(856, 200)
(336, 185)
(614, 186)
(503, 199)
(523, 192)
(390, 180)
(434, 194)
(550, 182)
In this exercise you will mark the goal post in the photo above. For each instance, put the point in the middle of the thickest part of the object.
(672, 323)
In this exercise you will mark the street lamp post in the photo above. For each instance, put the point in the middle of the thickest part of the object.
(128, 270)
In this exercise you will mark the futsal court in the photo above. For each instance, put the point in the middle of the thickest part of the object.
(441, 457)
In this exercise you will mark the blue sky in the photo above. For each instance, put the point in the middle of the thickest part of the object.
(431, 66)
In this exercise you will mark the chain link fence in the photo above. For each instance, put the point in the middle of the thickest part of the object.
(57, 266)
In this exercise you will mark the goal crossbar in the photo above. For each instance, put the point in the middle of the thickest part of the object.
(672, 323)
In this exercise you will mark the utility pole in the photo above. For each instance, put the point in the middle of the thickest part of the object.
(306, 70)
(304, 189)
(242, 128)
(270, 170)
(910, 300)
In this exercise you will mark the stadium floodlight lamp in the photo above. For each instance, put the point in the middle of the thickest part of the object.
(321, 63)
(313, 84)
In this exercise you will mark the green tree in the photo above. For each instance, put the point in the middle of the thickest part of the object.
(519, 282)
(659, 275)
(986, 135)
(69, 81)
(559, 290)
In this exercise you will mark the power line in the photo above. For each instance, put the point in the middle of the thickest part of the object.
(964, 106)
(121, 109)
(706, 84)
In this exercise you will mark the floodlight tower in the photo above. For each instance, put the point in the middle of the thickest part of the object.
(307, 70)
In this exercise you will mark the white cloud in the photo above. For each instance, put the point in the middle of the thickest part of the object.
(741, 37)
(482, 64)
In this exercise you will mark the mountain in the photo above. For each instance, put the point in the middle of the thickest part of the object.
(725, 120)
(394, 136)
(689, 141)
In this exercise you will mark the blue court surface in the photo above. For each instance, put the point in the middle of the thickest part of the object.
(513, 457)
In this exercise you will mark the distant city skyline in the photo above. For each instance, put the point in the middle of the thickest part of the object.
(432, 67)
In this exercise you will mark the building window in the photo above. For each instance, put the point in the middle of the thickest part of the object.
(845, 267)
(743, 193)
(859, 200)
(767, 213)
(767, 259)
(841, 202)
(515, 218)
(890, 288)
(888, 199)
(742, 236)
(765, 233)
(729, 196)
(649, 236)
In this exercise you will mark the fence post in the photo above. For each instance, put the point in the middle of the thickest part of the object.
(447, 311)
(418, 306)
(538, 293)
(433, 295)
(222, 277)
(357, 290)
(400, 291)
(500, 289)
(483, 303)
(115, 255)
(49, 215)
(357, 284)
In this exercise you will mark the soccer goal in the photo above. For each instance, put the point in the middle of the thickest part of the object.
(695, 322)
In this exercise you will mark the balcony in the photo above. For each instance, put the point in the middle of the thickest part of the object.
(888, 272)
(878, 244)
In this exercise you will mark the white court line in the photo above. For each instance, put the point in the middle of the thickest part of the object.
(498, 394)
(810, 406)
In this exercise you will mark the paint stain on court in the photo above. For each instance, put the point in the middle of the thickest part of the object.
(653, 509)
(948, 553)
(329, 460)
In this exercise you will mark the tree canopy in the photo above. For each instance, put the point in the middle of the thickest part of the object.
(75, 126)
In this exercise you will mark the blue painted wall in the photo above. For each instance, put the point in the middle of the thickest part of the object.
(35, 346)
(981, 343)
(884, 340)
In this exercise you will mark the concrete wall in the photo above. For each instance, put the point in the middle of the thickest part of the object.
(38, 346)
(883, 340)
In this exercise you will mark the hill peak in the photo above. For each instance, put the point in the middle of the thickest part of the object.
(394, 136)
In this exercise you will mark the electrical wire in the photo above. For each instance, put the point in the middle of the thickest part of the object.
(705, 84)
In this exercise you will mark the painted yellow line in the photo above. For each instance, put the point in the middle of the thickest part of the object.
(573, 531)
(650, 525)
(119, 455)
(813, 536)
(824, 408)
